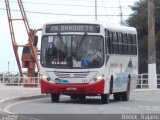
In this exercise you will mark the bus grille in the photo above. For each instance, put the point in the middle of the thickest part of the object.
(71, 74)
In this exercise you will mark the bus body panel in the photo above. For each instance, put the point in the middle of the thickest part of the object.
(121, 71)
(69, 89)
(87, 82)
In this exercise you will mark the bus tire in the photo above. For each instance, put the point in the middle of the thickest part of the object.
(82, 98)
(125, 95)
(105, 98)
(55, 97)
(111, 85)
(73, 97)
(117, 96)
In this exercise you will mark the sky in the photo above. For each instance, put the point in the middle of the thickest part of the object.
(40, 12)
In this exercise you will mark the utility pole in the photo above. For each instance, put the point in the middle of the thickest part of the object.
(152, 75)
(95, 9)
(121, 15)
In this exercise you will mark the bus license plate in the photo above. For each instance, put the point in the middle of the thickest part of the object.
(71, 88)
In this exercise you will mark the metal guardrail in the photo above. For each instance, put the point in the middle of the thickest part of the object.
(142, 82)
(19, 81)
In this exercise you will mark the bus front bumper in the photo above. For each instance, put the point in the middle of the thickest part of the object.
(87, 89)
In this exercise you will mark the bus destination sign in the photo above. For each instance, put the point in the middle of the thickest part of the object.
(56, 28)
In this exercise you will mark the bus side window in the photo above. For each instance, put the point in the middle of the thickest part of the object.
(125, 47)
(129, 44)
(107, 45)
(134, 45)
(120, 43)
(111, 51)
(107, 42)
(115, 41)
(133, 39)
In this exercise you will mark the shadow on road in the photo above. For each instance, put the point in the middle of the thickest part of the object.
(89, 101)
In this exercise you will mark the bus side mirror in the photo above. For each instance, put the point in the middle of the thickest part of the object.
(39, 52)
(35, 41)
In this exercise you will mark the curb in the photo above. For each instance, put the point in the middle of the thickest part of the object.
(12, 99)
(146, 90)
(6, 114)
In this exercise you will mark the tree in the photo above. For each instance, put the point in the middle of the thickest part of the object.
(139, 20)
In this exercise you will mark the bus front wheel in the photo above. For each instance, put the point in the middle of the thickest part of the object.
(105, 98)
(82, 98)
(73, 97)
(55, 97)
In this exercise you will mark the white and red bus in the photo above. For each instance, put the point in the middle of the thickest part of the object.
(88, 59)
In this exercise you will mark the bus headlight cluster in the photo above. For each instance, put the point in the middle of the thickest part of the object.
(96, 79)
(46, 78)
(100, 78)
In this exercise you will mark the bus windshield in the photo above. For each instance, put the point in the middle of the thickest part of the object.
(72, 51)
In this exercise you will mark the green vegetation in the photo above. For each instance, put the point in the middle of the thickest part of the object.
(139, 20)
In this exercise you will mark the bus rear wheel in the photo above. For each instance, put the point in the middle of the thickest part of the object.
(117, 96)
(55, 97)
(105, 98)
(125, 95)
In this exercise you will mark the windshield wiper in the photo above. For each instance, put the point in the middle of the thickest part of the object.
(81, 42)
(60, 38)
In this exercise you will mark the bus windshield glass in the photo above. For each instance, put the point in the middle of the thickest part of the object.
(72, 51)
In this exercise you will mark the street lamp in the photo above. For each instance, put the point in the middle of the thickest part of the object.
(8, 66)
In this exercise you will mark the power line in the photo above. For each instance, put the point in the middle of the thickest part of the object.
(110, 1)
(60, 14)
(72, 5)
(68, 14)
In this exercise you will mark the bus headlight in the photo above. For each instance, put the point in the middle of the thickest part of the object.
(100, 78)
(46, 78)
(96, 79)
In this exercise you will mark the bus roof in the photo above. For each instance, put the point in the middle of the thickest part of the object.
(118, 28)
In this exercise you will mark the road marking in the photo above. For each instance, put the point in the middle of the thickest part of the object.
(8, 107)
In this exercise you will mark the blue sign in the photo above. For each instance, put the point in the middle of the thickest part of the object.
(85, 62)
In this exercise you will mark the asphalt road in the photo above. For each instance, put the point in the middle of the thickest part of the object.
(141, 103)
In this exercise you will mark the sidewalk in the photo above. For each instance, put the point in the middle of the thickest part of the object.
(17, 91)
(146, 90)
(14, 93)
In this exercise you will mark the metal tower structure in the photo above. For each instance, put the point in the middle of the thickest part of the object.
(30, 52)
